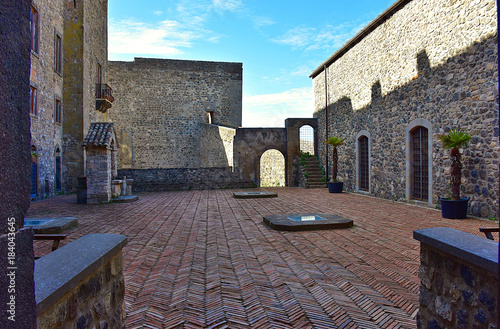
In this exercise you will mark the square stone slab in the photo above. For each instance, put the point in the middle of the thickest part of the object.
(253, 195)
(306, 222)
(47, 225)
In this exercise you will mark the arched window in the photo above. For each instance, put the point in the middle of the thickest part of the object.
(272, 168)
(57, 156)
(306, 137)
(364, 173)
(419, 160)
(34, 172)
(363, 161)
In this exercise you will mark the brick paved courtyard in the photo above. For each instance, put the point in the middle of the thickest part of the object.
(202, 259)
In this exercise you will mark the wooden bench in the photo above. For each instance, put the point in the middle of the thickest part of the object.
(488, 230)
(55, 237)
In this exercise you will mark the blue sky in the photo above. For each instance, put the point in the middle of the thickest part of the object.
(279, 43)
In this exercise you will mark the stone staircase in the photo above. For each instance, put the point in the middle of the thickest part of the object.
(313, 173)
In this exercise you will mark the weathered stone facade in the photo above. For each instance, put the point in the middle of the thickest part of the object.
(175, 179)
(420, 64)
(163, 106)
(85, 63)
(47, 80)
(217, 146)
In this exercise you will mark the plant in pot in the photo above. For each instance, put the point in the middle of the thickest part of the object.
(455, 206)
(334, 185)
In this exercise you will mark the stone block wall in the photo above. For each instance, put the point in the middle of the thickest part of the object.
(89, 291)
(429, 61)
(162, 104)
(217, 145)
(97, 301)
(172, 179)
(459, 280)
(98, 161)
(46, 133)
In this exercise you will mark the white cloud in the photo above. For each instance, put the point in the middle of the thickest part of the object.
(226, 5)
(271, 110)
(327, 37)
(158, 12)
(261, 21)
(164, 38)
(297, 37)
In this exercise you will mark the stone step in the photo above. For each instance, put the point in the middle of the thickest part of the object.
(314, 173)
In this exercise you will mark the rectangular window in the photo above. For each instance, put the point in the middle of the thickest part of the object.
(34, 29)
(33, 100)
(58, 54)
(58, 111)
(99, 74)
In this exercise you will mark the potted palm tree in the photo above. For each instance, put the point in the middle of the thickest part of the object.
(455, 206)
(334, 185)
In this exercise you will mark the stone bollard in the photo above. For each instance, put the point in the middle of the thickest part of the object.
(129, 186)
(124, 186)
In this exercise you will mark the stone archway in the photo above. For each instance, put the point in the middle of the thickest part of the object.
(272, 168)
(251, 143)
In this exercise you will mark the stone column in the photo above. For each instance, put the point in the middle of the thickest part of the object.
(17, 292)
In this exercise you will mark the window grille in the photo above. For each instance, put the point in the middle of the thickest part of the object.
(420, 168)
(363, 165)
(306, 137)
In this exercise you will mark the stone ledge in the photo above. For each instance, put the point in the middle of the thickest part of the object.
(63, 269)
(468, 247)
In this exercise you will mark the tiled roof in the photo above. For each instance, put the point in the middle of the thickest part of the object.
(100, 134)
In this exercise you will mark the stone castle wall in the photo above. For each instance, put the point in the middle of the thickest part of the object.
(45, 131)
(217, 145)
(432, 62)
(161, 105)
(175, 179)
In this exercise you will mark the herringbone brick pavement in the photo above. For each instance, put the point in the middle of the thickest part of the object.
(202, 259)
